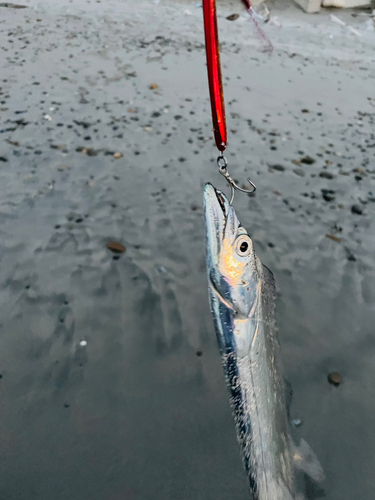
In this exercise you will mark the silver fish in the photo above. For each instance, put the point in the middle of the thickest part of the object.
(242, 297)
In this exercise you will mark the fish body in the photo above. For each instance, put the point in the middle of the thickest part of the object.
(242, 297)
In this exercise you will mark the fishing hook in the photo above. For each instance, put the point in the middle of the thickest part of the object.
(222, 163)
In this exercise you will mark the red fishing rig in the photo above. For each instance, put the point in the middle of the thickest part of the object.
(215, 84)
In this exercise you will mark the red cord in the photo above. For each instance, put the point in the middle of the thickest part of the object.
(214, 74)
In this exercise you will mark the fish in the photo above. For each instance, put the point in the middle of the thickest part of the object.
(242, 298)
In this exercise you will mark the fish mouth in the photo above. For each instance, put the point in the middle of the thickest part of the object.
(221, 224)
(216, 207)
(221, 220)
(216, 210)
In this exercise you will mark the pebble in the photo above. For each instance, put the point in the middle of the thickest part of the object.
(357, 209)
(116, 247)
(334, 378)
(351, 257)
(326, 175)
(328, 194)
(307, 160)
(83, 343)
(12, 5)
(154, 86)
(87, 151)
(277, 167)
(299, 171)
(117, 156)
(333, 238)
(233, 17)
(297, 422)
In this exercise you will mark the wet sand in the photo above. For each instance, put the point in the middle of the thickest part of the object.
(111, 383)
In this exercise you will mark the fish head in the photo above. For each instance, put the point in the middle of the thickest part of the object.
(232, 266)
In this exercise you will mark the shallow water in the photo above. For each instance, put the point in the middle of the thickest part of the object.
(141, 410)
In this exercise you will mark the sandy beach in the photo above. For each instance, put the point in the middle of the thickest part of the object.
(111, 382)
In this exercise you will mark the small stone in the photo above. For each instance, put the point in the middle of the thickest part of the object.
(199, 353)
(307, 160)
(305, 110)
(334, 378)
(299, 171)
(83, 343)
(277, 167)
(117, 156)
(116, 247)
(326, 175)
(359, 170)
(297, 422)
(351, 257)
(233, 17)
(333, 238)
(12, 5)
(61, 168)
(328, 194)
(87, 151)
(154, 86)
(357, 209)
(296, 162)
(48, 117)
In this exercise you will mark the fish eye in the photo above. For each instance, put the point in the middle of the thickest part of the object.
(243, 245)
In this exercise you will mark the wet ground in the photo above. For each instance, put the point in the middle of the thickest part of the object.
(111, 383)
